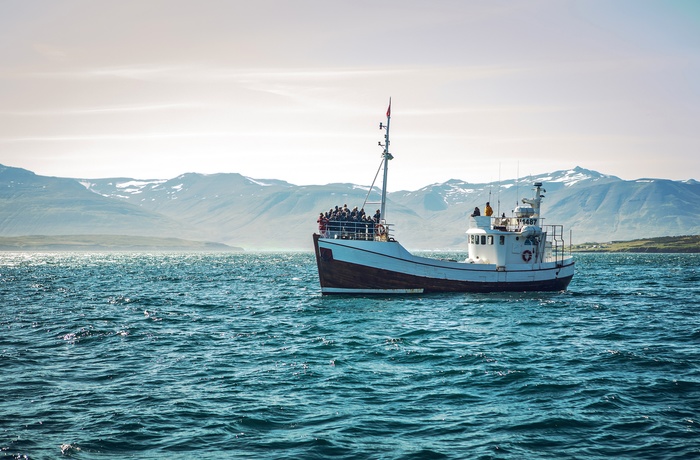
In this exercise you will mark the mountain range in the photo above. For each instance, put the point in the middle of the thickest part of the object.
(273, 214)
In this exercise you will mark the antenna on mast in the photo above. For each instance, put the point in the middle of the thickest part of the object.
(387, 156)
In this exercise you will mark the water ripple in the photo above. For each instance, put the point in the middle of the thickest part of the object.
(238, 355)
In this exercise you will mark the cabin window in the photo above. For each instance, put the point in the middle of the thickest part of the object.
(490, 239)
(483, 239)
(502, 240)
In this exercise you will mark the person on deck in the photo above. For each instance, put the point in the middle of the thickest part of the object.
(488, 211)
(476, 212)
(322, 222)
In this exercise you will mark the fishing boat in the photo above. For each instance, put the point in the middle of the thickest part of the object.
(505, 254)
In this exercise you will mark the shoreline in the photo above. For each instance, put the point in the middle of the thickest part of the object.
(86, 243)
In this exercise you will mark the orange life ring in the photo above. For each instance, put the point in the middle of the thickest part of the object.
(381, 230)
(527, 255)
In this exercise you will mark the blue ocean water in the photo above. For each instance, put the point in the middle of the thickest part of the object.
(119, 355)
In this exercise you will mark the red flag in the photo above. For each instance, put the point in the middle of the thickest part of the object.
(388, 111)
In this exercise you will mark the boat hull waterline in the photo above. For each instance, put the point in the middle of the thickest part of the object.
(373, 267)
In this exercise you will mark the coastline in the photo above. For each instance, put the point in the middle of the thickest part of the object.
(108, 243)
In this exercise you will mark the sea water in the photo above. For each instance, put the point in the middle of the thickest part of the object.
(180, 356)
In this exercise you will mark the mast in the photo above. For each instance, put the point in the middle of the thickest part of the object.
(387, 156)
(535, 202)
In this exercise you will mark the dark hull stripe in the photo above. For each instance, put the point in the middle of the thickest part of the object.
(340, 274)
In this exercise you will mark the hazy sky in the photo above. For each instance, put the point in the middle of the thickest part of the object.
(295, 90)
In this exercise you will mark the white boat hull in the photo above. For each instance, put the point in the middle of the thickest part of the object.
(386, 267)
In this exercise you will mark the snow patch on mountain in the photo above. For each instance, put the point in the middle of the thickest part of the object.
(258, 182)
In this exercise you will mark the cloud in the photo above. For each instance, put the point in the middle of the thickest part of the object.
(103, 110)
(130, 72)
(51, 51)
(179, 135)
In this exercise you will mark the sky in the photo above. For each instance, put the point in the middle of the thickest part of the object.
(295, 90)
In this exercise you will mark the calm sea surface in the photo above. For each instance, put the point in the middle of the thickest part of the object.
(239, 356)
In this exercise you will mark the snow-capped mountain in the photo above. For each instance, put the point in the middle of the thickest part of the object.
(273, 214)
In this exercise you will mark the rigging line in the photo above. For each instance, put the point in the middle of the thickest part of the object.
(517, 186)
(372, 186)
(498, 211)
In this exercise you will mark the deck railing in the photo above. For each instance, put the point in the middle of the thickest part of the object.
(554, 245)
(509, 224)
(555, 242)
(365, 231)
(555, 248)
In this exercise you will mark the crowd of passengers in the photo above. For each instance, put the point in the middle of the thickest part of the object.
(342, 222)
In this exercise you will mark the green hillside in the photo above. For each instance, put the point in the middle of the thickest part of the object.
(675, 244)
